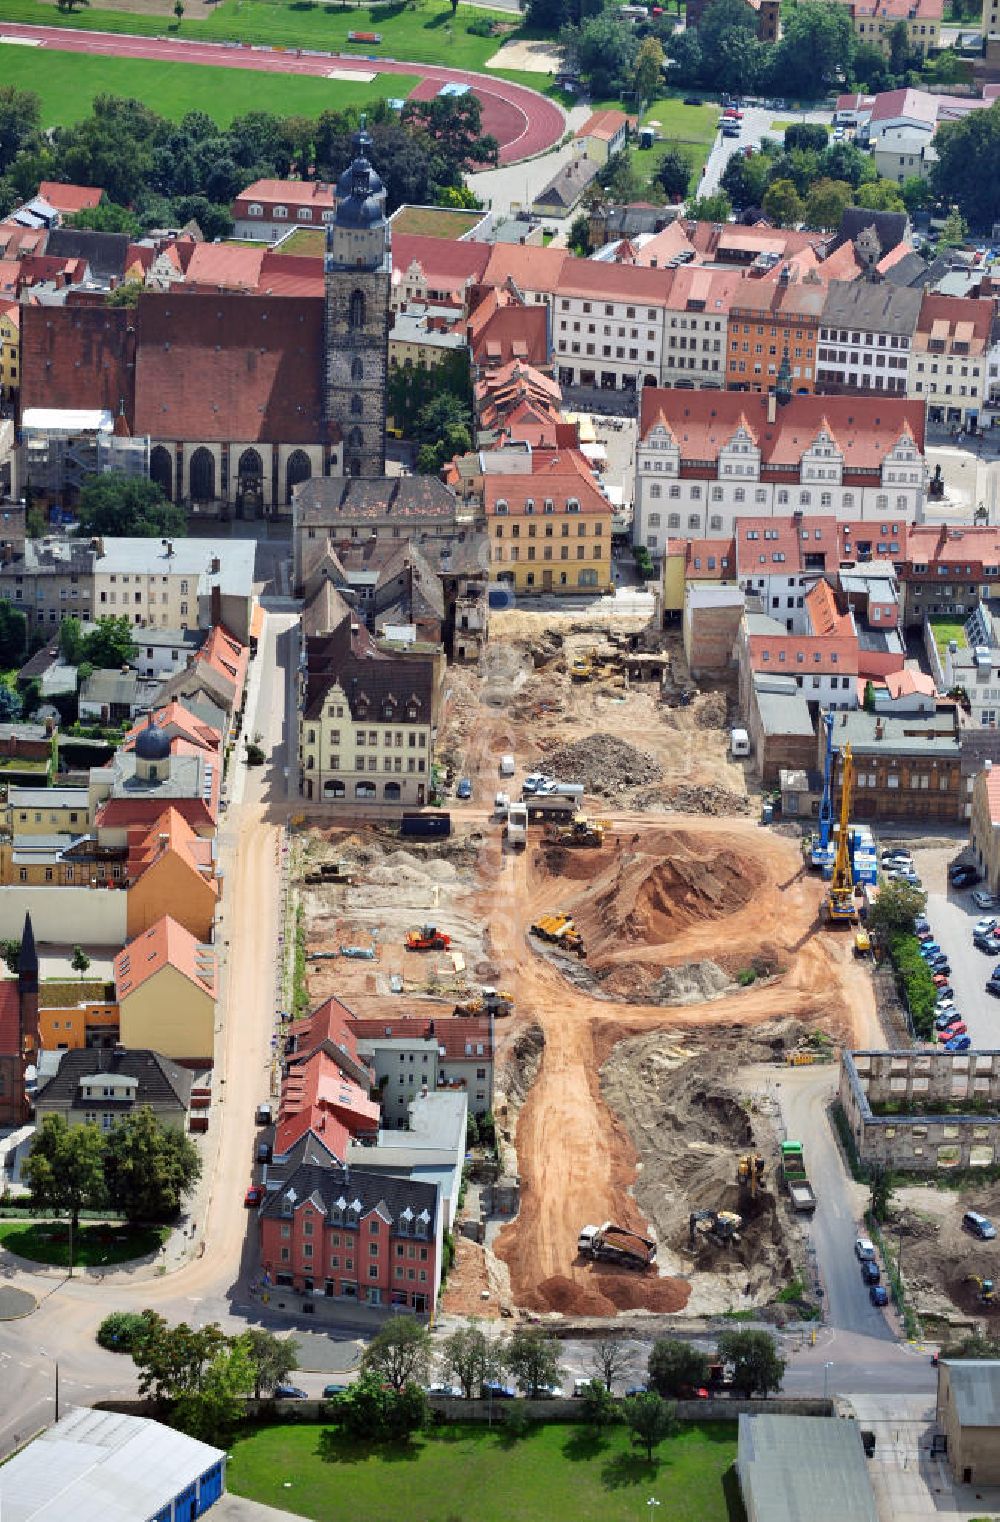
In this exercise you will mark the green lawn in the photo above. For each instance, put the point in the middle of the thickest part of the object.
(945, 629)
(782, 125)
(93, 1246)
(554, 1474)
(435, 221)
(646, 161)
(683, 124)
(425, 34)
(68, 82)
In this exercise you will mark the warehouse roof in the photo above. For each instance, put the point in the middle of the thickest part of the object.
(975, 1388)
(794, 1468)
(101, 1466)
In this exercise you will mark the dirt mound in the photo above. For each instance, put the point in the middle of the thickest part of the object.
(604, 764)
(677, 892)
(713, 799)
(691, 983)
(711, 711)
(602, 1294)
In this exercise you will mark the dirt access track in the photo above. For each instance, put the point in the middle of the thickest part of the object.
(670, 893)
(523, 122)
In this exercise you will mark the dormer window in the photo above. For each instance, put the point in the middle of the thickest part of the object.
(389, 708)
(305, 214)
(529, 505)
(255, 209)
(280, 213)
(572, 505)
(501, 506)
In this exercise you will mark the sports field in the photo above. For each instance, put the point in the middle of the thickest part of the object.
(68, 82)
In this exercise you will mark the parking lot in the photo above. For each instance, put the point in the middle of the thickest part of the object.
(952, 915)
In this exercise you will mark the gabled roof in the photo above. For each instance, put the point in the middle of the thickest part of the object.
(907, 683)
(68, 199)
(369, 1186)
(159, 1081)
(604, 125)
(458, 1037)
(779, 545)
(290, 192)
(179, 723)
(824, 613)
(225, 266)
(171, 833)
(803, 654)
(165, 944)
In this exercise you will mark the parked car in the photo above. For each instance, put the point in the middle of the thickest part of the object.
(689, 100)
(452, 1392)
(870, 1271)
(864, 1249)
(947, 1018)
(941, 965)
(941, 983)
(548, 1392)
(464, 789)
(983, 899)
(334, 1392)
(964, 875)
(878, 1295)
(289, 1392)
(988, 943)
(904, 875)
(930, 949)
(581, 1387)
(956, 1028)
(993, 987)
(253, 1196)
(958, 1044)
(980, 1225)
(985, 926)
(637, 1390)
(493, 1388)
(896, 858)
(925, 935)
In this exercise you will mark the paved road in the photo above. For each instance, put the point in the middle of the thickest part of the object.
(757, 122)
(522, 121)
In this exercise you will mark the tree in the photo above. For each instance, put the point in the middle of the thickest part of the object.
(676, 1366)
(618, 178)
(897, 908)
(13, 635)
(649, 62)
(745, 181)
(65, 1168)
(532, 1357)
(806, 135)
(472, 1356)
(754, 1359)
(826, 203)
(610, 1359)
(599, 1408)
(272, 1359)
(108, 217)
(10, 704)
(716, 207)
(881, 1194)
(113, 503)
(110, 645)
(651, 1420)
(783, 203)
(20, 120)
(604, 52)
(816, 50)
(967, 173)
(71, 640)
(370, 1411)
(955, 230)
(10, 951)
(400, 1352)
(149, 1168)
(117, 1330)
(80, 961)
(211, 1411)
(179, 10)
(879, 195)
(578, 237)
(673, 174)
(172, 1360)
(916, 193)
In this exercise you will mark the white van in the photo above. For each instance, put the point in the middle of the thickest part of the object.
(507, 767)
(739, 743)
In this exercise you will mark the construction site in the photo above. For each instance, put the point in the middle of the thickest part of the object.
(660, 952)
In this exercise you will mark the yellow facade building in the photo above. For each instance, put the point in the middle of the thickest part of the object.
(166, 985)
(550, 529)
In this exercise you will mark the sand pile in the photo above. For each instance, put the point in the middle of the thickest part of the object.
(676, 892)
(604, 764)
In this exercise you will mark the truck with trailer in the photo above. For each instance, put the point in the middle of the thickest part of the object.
(516, 828)
(794, 1178)
(616, 1244)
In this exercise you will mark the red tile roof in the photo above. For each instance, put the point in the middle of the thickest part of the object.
(78, 357)
(905, 683)
(865, 531)
(225, 266)
(68, 199)
(706, 559)
(10, 1018)
(16, 240)
(779, 544)
(502, 329)
(825, 616)
(317, 1095)
(178, 722)
(122, 813)
(604, 125)
(993, 794)
(226, 656)
(939, 544)
(531, 269)
(252, 366)
(864, 429)
(290, 275)
(292, 193)
(171, 832)
(165, 944)
(805, 654)
(453, 1034)
(446, 263)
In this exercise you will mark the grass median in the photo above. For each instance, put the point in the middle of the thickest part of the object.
(95, 1245)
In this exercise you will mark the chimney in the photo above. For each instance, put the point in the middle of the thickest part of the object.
(772, 407)
(216, 565)
(879, 729)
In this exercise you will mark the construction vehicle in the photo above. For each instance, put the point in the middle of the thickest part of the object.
(793, 1176)
(822, 849)
(515, 831)
(581, 669)
(987, 1294)
(581, 832)
(862, 942)
(427, 938)
(840, 906)
(616, 1244)
(492, 1001)
(723, 1226)
(750, 1175)
(559, 930)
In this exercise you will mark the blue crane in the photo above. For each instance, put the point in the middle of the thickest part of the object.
(822, 848)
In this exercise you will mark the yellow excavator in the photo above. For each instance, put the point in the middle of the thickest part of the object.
(723, 1226)
(840, 906)
(987, 1294)
(750, 1175)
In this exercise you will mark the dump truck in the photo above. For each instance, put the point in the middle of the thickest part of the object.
(793, 1176)
(582, 832)
(559, 930)
(427, 938)
(616, 1244)
(515, 831)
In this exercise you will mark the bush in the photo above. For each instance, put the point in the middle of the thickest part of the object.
(915, 982)
(480, 27)
(117, 1331)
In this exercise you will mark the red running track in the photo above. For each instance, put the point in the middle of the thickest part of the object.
(523, 122)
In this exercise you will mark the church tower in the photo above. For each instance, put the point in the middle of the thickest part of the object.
(358, 278)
